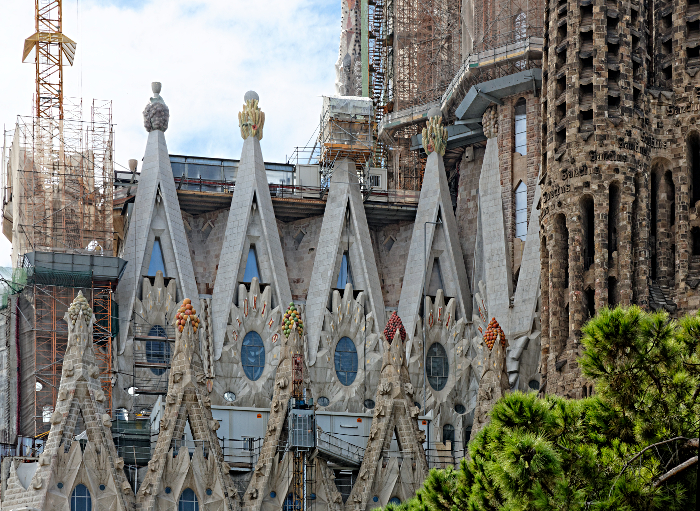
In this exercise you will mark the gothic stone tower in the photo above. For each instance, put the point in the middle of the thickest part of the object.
(620, 169)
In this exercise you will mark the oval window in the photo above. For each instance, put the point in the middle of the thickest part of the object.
(534, 385)
(229, 396)
(395, 501)
(323, 401)
(253, 355)
(437, 366)
(346, 361)
(369, 404)
(460, 409)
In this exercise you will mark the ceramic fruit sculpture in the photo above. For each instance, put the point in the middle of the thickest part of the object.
(292, 320)
(392, 326)
(493, 331)
(185, 312)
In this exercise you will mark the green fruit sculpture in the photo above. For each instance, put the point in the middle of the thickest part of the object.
(292, 320)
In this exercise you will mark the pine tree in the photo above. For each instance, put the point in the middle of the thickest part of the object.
(629, 447)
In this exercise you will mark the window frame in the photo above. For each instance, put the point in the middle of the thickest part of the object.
(437, 382)
(347, 342)
(520, 199)
(192, 505)
(256, 373)
(74, 499)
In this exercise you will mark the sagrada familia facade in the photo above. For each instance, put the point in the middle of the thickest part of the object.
(328, 356)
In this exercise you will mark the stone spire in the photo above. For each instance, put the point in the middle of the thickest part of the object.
(395, 415)
(156, 114)
(171, 468)
(63, 464)
(257, 488)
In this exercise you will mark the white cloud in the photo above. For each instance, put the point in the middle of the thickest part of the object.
(206, 54)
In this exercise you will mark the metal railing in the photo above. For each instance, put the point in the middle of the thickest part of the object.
(338, 449)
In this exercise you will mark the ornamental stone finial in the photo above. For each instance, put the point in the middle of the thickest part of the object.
(490, 122)
(251, 120)
(434, 134)
(156, 114)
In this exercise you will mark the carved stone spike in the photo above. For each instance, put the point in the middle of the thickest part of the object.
(260, 469)
(201, 378)
(171, 399)
(56, 417)
(206, 401)
(94, 372)
(271, 427)
(384, 387)
(62, 395)
(363, 473)
(253, 494)
(177, 376)
(421, 436)
(276, 406)
(357, 498)
(106, 420)
(126, 488)
(408, 388)
(414, 411)
(225, 467)
(214, 424)
(164, 424)
(99, 396)
(282, 383)
(338, 498)
(68, 368)
(120, 463)
(153, 465)
(38, 482)
(380, 410)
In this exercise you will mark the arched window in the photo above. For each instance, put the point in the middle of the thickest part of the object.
(158, 352)
(291, 503)
(251, 266)
(345, 273)
(695, 241)
(437, 366)
(448, 435)
(346, 361)
(253, 355)
(188, 501)
(694, 166)
(521, 126)
(157, 263)
(80, 499)
(395, 501)
(521, 211)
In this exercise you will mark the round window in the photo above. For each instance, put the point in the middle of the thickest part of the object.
(369, 404)
(460, 409)
(534, 385)
(395, 501)
(437, 366)
(229, 396)
(253, 355)
(346, 361)
(323, 401)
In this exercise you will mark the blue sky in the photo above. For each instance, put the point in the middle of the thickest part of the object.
(207, 54)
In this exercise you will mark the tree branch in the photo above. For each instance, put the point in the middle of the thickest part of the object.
(688, 463)
(639, 454)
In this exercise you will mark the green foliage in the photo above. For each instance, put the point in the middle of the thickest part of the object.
(612, 451)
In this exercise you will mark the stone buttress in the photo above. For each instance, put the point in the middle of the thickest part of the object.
(156, 217)
(344, 239)
(251, 226)
(172, 468)
(395, 416)
(49, 483)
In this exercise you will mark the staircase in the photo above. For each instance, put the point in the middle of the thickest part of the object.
(659, 298)
(338, 451)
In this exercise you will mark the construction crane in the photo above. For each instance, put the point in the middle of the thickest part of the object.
(51, 46)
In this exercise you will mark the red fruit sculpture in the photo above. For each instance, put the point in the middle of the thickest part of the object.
(392, 326)
(493, 331)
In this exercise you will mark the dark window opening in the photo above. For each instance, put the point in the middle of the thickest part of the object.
(561, 85)
(667, 21)
(667, 47)
(613, 218)
(695, 240)
(586, 13)
(693, 53)
(613, 102)
(562, 32)
(561, 112)
(587, 115)
(587, 90)
(671, 198)
(561, 137)
(635, 42)
(448, 435)
(612, 23)
(588, 219)
(589, 302)
(694, 166)
(654, 206)
(693, 28)
(587, 64)
(612, 291)
(613, 76)
(613, 49)
(667, 72)
(634, 16)
(561, 58)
